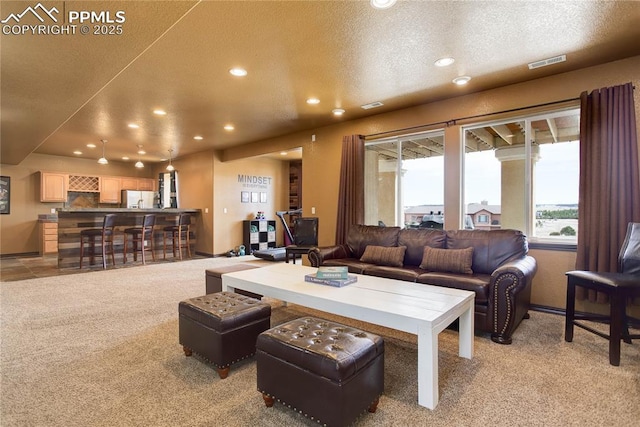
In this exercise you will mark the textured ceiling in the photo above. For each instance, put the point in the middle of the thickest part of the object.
(60, 92)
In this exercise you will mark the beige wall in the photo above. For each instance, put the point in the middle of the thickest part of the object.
(208, 181)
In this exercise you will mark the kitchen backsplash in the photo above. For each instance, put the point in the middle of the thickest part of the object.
(83, 200)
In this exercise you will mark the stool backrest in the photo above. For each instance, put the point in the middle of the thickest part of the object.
(148, 221)
(109, 221)
(629, 258)
(185, 219)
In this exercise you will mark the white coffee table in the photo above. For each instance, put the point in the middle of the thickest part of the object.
(423, 310)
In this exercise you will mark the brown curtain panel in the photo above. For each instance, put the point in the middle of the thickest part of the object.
(351, 195)
(609, 195)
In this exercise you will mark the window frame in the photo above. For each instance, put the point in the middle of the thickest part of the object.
(527, 119)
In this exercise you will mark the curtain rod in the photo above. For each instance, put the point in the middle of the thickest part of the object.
(453, 121)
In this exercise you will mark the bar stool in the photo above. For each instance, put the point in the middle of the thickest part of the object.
(176, 233)
(106, 236)
(140, 235)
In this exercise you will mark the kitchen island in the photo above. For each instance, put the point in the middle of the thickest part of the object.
(71, 221)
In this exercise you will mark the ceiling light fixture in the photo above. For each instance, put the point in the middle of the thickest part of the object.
(125, 158)
(170, 167)
(91, 145)
(229, 127)
(139, 163)
(77, 152)
(313, 101)
(338, 111)
(443, 62)
(462, 80)
(238, 72)
(133, 126)
(103, 160)
(382, 4)
(160, 112)
(198, 138)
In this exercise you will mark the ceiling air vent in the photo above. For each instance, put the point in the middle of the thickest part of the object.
(372, 105)
(548, 61)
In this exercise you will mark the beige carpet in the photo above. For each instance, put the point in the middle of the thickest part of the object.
(101, 349)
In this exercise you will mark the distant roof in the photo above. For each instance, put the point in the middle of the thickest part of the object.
(473, 208)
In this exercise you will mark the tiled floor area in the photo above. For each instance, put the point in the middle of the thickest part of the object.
(31, 267)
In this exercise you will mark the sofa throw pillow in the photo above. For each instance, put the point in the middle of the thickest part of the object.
(447, 260)
(382, 255)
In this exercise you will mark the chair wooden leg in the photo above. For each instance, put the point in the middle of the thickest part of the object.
(103, 243)
(152, 246)
(615, 327)
(570, 311)
(124, 248)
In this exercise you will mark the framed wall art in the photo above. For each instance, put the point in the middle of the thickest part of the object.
(5, 194)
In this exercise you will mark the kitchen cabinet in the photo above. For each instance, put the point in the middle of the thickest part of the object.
(53, 186)
(48, 238)
(146, 184)
(128, 183)
(142, 184)
(109, 189)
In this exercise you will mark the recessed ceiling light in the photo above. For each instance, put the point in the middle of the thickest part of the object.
(443, 62)
(283, 153)
(238, 72)
(91, 145)
(77, 152)
(160, 112)
(338, 111)
(198, 137)
(125, 158)
(462, 80)
(382, 4)
(133, 126)
(313, 101)
(141, 151)
(229, 127)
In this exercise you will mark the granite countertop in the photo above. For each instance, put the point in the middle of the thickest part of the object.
(116, 210)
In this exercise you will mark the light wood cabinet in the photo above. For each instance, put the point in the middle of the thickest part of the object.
(110, 189)
(142, 184)
(48, 238)
(53, 187)
(128, 183)
(146, 184)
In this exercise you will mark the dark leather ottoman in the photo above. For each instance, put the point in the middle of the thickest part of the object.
(329, 372)
(213, 278)
(222, 327)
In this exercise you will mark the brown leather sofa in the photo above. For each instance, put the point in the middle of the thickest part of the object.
(501, 271)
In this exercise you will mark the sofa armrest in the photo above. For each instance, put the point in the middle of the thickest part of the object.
(317, 256)
(510, 296)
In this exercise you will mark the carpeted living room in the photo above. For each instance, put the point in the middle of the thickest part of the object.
(101, 348)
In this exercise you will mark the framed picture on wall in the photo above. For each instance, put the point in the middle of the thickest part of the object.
(244, 196)
(5, 194)
(263, 197)
(254, 197)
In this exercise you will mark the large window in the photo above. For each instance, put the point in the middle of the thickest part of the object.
(523, 174)
(404, 181)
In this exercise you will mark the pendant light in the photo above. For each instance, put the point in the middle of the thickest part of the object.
(170, 167)
(139, 163)
(103, 160)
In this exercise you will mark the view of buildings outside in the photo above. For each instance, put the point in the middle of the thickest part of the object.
(556, 177)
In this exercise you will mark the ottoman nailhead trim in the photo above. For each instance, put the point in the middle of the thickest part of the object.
(304, 413)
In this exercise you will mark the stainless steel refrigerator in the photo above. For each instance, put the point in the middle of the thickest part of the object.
(134, 199)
